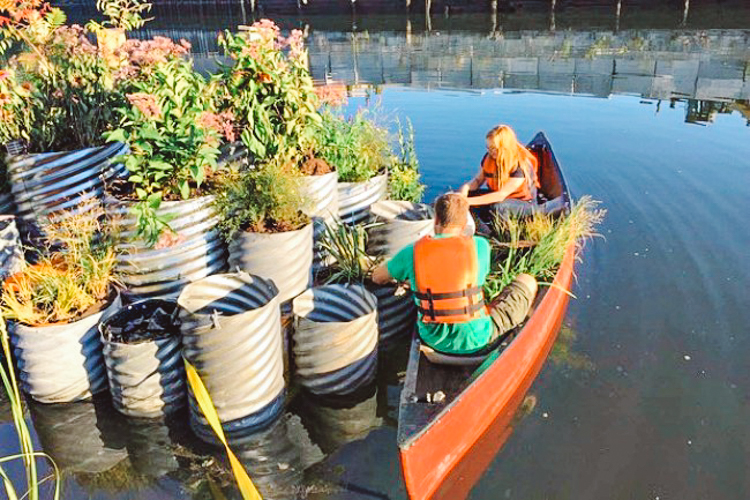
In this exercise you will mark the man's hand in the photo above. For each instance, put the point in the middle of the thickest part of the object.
(381, 276)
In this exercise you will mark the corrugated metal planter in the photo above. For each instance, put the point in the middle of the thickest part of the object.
(146, 379)
(397, 312)
(401, 223)
(46, 183)
(11, 253)
(335, 338)
(274, 462)
(322, 196)
(6, 204)
(286, 258)
(231, 328)
(197, 249)
(86, 436)
(355, 198)
(63, 362)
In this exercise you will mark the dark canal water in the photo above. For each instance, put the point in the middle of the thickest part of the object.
(647, 392)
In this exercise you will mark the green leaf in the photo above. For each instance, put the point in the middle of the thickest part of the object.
(184, 189)
(154, 201)
(116, 136)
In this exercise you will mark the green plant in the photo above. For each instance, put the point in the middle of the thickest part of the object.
(357, 147)
(536, 245)
(126, 15)
(173, 137)
(263, 198)
(268, 88)
(347, 247)
(403, 175)
(58, 94)
(75, 274)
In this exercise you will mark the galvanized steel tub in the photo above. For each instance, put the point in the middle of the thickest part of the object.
(286, 258)
(146, 379)
(397, 311)
(335, 338)
(61, 363)
(46, 183)
(322, 204)
(6, 204)
(355, 198)
(401, 223)
(86, 436)
(197, 250)
(231, 333)
(11, 252)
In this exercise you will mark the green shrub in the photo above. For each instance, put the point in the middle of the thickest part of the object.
(263, 198)
(358, 148)
(403, 175)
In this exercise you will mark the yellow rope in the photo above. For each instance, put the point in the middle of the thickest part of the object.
(247, 489)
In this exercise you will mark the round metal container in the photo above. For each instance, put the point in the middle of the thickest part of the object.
(355, 198)
(231, 334)
(6, 204)
(397, 311)
(11, 252)
(47, 183)
(401, 223)
(197, 249)
(286, 258)
(146, 379)
(62, 362)
(335, 338)
(322, 204)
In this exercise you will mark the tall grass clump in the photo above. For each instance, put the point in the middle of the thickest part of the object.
(403, 176)
(346, 245)
(536, 244)
(27, 453)
(73, 276)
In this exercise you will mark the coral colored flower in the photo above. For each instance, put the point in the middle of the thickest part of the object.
(333, 94)
(223, 123)
(146, 103)
(4, 74)
(263, 78)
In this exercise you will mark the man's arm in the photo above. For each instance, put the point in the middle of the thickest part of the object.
(381, 276)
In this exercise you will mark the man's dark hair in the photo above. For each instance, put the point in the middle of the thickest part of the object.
(451, 209)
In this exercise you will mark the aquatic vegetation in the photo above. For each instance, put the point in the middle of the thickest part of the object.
(173, 137)
(268, 88)
(347, 246)
(74, 276)
(403, 175)
(27, 453)
(358, 147)
(537, 244)
(263, 198)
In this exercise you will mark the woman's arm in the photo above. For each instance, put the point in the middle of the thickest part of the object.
(510, 186)
(473, 184)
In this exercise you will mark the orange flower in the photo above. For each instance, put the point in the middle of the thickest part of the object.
(263, 78)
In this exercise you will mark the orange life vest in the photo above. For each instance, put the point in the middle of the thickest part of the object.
(489, 169)
(446, 271)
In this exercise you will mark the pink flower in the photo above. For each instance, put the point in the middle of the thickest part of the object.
(333, 94)
(222, 123)
(147, 104)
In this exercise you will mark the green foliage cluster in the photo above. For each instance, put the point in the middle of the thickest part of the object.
(536, 244)
(357, 147)
(57, 94)
(346, 245)
(122, 14)
(403, 176)
(263, 198)
(171, 146)
(268, 89)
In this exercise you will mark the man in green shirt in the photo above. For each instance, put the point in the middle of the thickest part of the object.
(447, 271)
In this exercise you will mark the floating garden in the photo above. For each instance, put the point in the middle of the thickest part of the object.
(232, 219)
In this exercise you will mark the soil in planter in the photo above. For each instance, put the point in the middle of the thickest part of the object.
(273, 226)
(141, 323)
(315, 166)
(124, 190)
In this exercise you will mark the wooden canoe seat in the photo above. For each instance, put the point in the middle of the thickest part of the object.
(440, 358)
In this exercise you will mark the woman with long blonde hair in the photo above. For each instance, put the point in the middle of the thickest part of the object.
(508, 169)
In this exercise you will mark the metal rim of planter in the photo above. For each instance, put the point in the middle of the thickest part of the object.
(401, 223)
(355, 198)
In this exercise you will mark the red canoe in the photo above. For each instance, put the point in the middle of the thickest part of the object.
(433, 438)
